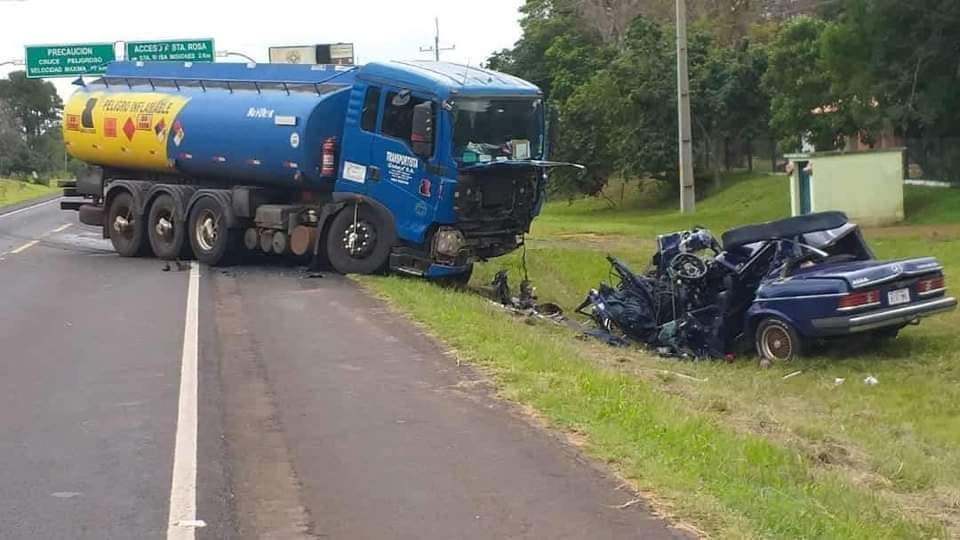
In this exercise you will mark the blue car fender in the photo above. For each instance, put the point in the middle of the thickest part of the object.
(759, 311)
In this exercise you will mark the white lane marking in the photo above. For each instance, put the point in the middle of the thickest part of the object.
(24, 247)
(183, 489)
(31, 207)
(32, 243)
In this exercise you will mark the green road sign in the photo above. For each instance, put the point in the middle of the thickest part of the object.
(68, 60)
(186, 50)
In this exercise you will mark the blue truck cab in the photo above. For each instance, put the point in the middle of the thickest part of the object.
(469, 187)
(419, 167)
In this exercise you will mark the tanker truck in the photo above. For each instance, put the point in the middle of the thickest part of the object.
(415, 167)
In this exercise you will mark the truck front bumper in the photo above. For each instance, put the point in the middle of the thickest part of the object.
(895, 316)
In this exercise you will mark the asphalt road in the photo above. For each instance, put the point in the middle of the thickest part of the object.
(256, 402)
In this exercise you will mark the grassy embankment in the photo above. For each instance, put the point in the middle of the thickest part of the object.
(15, 191)
(741, 452)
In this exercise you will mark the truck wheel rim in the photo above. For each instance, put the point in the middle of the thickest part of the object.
(359, 239)
(123, 222)
(776, 344)
(164, 226)
(206, 230)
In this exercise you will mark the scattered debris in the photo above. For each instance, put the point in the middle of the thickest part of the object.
(190, 523)
(627, 504)
(680, 375)
(870, 380)
(792, 375)
(524, 304)
(838, 381)
(180, 266)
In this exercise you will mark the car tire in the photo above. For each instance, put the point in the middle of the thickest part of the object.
(166, 230)
(127, 232)
(777, 341)
(369, 249)
(211, 240)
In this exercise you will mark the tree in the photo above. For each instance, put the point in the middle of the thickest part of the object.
(896, 62)
(12, 144)
(646, 127)
(35, 102)
(726, 96)
(802, 101)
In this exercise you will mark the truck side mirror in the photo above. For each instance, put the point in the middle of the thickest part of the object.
(422, 133)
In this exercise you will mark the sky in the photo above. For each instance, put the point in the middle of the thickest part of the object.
(379, 30)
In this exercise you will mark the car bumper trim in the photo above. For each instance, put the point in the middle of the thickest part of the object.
(888, 317)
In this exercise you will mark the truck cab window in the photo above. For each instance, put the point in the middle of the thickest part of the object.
(371, 105)
(398, 119)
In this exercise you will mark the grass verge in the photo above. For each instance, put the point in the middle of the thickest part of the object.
(739, 452)
(15, 191)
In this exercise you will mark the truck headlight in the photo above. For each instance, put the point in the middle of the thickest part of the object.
(448, 241)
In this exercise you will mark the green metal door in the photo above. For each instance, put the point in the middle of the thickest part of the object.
(804, 178)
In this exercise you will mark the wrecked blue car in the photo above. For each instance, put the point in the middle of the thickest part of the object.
(774, 287)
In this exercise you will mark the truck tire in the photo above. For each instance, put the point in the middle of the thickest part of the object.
(126, 230)
(368, 250)
(211, 240)
(777, 341)
(165, 229)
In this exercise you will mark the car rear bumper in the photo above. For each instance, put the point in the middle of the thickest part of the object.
(896, 316)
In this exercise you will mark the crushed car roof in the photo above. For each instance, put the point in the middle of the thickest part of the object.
(784, 228)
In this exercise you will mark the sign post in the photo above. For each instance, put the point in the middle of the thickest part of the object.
(70, 60)
(183, 50)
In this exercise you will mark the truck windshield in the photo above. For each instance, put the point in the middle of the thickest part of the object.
(488, 129)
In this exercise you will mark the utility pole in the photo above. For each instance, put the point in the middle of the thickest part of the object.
(687, 188)
(436, 42)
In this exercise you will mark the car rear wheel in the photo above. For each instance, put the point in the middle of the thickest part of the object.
(777, 341)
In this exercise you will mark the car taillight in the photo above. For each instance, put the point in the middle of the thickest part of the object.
(860, 299)
(931, 285)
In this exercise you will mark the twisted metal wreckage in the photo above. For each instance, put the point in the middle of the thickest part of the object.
(774, 287)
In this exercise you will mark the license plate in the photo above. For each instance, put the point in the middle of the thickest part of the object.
(899, 296)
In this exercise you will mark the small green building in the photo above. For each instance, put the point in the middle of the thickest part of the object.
(867, 185)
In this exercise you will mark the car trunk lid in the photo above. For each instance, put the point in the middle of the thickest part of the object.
(871, 273)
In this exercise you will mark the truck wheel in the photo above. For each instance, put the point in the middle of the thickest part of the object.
(166, 232)
(212, 242)
(777, 341)
(126, 231)
(357, 241)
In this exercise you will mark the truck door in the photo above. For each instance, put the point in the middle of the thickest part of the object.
(359, 139)
(405, 187)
